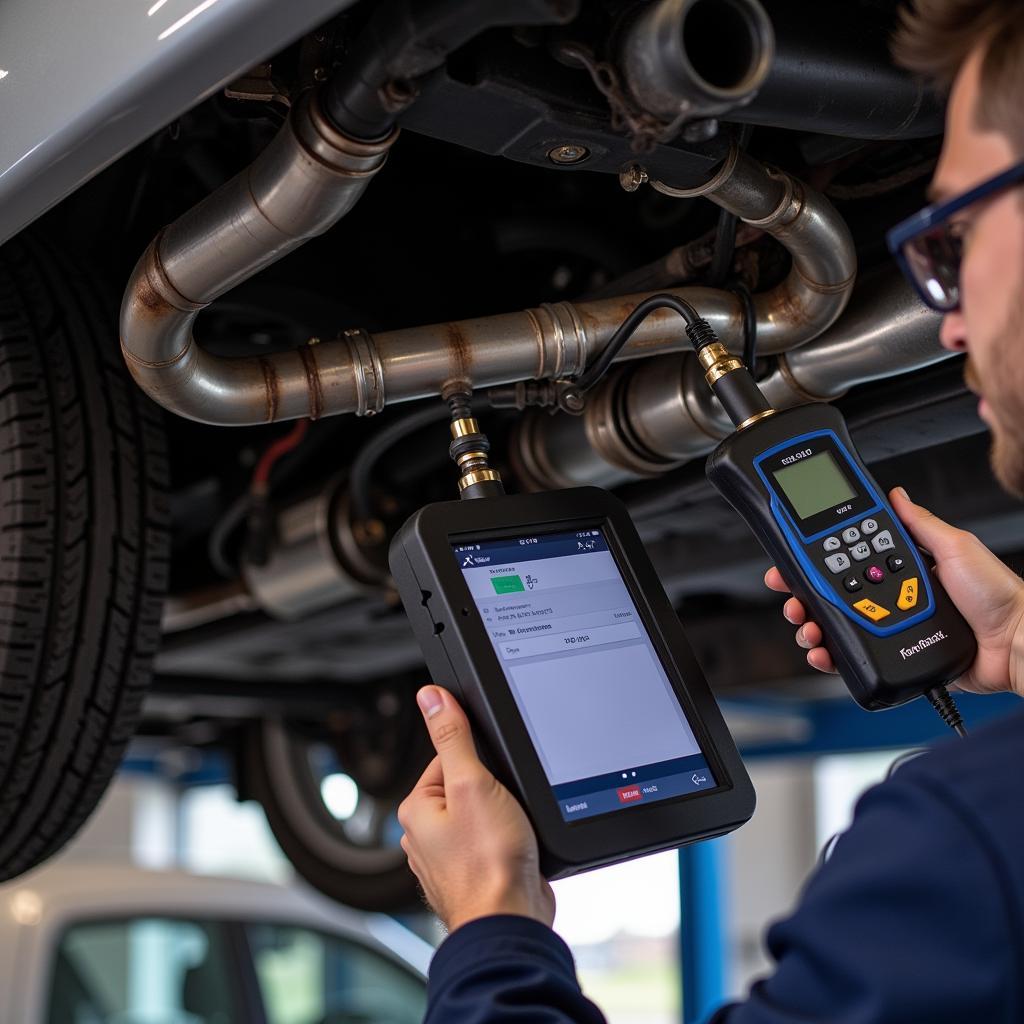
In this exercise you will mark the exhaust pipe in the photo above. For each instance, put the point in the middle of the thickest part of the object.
(648, 420)
(691, 59)
(311, 175)
(306, 180)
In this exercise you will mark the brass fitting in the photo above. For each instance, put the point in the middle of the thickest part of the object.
(717, 362)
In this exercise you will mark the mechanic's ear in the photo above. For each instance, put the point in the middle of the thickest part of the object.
(449, 731)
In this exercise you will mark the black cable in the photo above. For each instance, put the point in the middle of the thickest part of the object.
(749, 325)
(947, 709)
(724, 250)
(370, 454)
(233, 517)
(725, 234)
(593, 373)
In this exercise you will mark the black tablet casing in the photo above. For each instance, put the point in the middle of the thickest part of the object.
(460, 657)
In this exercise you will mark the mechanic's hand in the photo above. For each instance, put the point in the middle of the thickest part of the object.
(467, 839)
(990, 597)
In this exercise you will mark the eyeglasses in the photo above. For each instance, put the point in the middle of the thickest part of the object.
(928, 246)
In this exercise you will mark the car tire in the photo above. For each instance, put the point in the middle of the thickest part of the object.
(83, 551)
(277, 773)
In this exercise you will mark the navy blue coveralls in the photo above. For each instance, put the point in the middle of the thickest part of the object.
(917, 917)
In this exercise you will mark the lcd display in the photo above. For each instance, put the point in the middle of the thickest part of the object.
(814, 484)
(588, 682)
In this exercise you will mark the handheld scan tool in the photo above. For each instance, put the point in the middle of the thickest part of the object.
(797, 480)
(545, 618)
(890, 627)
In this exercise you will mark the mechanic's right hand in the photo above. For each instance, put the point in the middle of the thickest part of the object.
(467, 839)
(988, 593)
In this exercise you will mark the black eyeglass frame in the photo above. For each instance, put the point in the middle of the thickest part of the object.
(937, 215)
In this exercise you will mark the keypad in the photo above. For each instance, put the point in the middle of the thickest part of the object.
(867, 564)
(883, 542)
(837, 563)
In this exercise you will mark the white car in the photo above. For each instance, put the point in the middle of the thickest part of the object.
(119, 945)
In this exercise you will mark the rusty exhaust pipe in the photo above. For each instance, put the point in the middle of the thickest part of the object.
(310, 176)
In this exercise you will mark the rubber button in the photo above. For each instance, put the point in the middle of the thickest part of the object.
(831, 544)
(861, 551)
(869, 526)
(871, 610)
(883, 542)
(896, 563)
(853, 584)
(908, 595)
(851, 535)
(873, 574)
(837, 563)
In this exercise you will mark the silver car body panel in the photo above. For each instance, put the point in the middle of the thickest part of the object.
(36, 909)
(83, 82)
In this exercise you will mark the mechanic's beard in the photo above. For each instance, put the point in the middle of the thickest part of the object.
(1004, 394)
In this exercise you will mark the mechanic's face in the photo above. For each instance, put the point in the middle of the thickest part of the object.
(989, 325)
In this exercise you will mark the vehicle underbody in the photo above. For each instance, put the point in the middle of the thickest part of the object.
(539, 185)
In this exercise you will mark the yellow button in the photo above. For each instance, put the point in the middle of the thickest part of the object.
(908, 594)
(873, 611)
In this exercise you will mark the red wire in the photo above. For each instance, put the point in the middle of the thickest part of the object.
(282, 446)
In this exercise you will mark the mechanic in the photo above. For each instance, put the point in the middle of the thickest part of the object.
(918, 916)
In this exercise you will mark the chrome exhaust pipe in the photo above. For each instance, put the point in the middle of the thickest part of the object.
(692, 59)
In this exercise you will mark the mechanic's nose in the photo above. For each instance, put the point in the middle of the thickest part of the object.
(953, 333)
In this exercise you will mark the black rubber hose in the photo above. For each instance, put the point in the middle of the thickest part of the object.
(832, 74)
(406, 39)
(361, 473)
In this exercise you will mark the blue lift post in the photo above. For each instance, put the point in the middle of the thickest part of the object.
(829, 727)
(704, 944)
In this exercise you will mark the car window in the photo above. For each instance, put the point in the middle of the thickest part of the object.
(307, 977)
(142, 971)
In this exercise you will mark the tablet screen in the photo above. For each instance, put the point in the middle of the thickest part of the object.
(588, 682)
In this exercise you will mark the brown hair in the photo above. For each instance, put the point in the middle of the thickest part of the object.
(935, 37)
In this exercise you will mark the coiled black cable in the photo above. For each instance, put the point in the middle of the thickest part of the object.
(948, 711)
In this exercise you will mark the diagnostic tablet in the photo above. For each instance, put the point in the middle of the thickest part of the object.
(543, 615)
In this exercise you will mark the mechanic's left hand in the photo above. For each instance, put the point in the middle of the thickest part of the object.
(467, 839)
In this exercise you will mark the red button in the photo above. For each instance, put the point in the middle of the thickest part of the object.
(873, 574)
(629, 794)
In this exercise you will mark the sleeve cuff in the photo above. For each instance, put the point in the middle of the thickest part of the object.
(503, 937)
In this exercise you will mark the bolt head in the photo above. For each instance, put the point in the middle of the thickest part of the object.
(573, 401)
(632, 176)
(568, 153)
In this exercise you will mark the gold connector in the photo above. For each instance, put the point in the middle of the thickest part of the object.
(478, 476)
(719, 370)
(462, 460)
(755, 418)
(711, 354)
(464, 426)
(717, 362)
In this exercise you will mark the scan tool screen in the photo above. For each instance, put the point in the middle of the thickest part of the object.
(597, 704)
